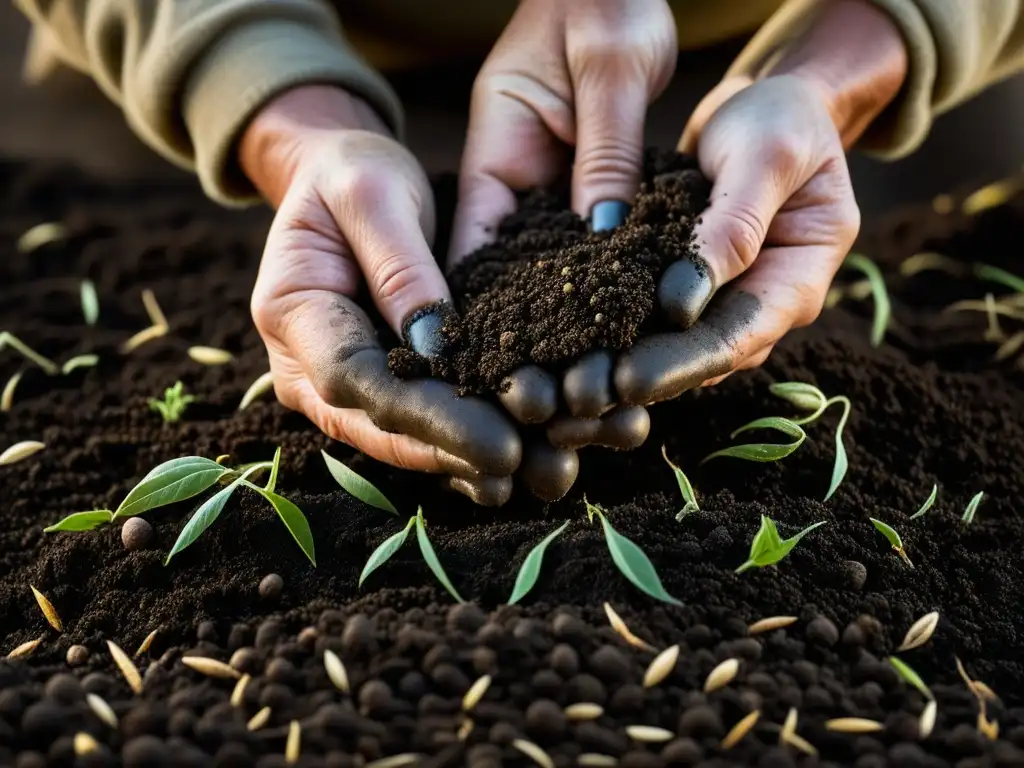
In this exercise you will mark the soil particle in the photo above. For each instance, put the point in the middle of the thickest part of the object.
(855, 574)
(271, 587)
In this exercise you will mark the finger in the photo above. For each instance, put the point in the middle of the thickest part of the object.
(707, 107)
(623, 429)
(587, 385)
(530, 394)
(486, 491)
(548, 472)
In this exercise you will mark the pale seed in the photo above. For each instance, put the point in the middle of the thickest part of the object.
(148, 641)
(84, 744)
(833, 297)
(79, 361)
(584, 711)
(927, 722)
(741, 729)
(294, 743)
(129, 670)
(24, 649)
(210, 355)
(258, 720)
(156, 315)
(920, 632)
(101, 709)
(395, 761)
(661, 667)
(722, 675)
(238, 694)
(772, 622)
(620, 626)
(802, 744)
(649, 734)
(143, 336)
(7, 398)
(210, 667)
(465, 729)
(789, 726)
(594, 760)
(20, 451)
(336, 671)
(853, 725)
(989, 196)
(40, 235)
(48, 610)
(260, 387)
(475, 693)
(535, 753)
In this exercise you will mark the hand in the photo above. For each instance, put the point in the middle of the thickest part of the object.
(353, 204)
(565, 74)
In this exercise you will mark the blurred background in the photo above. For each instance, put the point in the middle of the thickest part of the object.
(67, 118)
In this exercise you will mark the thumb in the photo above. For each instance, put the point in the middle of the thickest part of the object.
(715, 98)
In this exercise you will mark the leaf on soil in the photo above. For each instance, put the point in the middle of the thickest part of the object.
(90, 302)
(806, 397)
(170, 482)
(427, 550)
(384, 552)
(768, 548)
(689, 497)
(763, 451)
(928, 503)
(529, 571)
(82, 521)
(883, 307)
(358, 485)
(972, 507)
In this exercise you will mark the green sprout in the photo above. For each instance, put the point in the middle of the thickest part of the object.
(174, 403)
(630, 559)
(763, 451)
(893, 537)
(928, 503)
(768, 548)
(883, 307)
(972, 507)
(357, 485)
(905, 671)
(529, 571)
(689, 497)
(1001, 276)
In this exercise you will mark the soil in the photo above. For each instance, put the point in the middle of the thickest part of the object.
(930, 406)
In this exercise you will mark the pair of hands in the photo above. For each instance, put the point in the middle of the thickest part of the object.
(353, 205)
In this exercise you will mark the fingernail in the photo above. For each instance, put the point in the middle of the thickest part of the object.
(685, 289)
(608, 214)
(424, 329)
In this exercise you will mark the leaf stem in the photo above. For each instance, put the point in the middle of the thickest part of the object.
(8, 338)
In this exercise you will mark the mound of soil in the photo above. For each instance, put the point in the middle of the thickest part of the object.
(546, 290)
(930, 406)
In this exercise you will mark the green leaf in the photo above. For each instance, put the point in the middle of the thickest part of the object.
(79, 361)
(883, 308)
(631, 560)
(274, 467)
(529, 571)
(203, 518)
(689, 497)
(170, 482)
(997, 275)
(893, 538)
(907, 673)
(766, 548)
(764, 451)
(82, 521)
(427, 550)
(927, 503)
(841, 463)
(806, 397)
(972, 507)
(358, 485)
(90, 302)
(291, 516)
(384, 552)
(766, 539)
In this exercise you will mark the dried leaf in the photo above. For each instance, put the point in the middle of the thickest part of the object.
(142, 337)
(7, 398)
(258, 388)
(853, 725)
(741, 729)
(211, 667)
(722, 675)
(583, 711)
(336, 671)
(529, 571)
(624, 631)
(40, 235)
(920, 632)
(24, 649)
(475, 693)
(535, 753)
(128, 669)
(258, 720)
(20, 451)
(649, 734)
(293, 745)
(210, 355)
(661, 667)
(48, 610)
(771, 623)
(101, 709)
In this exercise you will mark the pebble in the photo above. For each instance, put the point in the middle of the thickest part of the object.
(281, 671)
(268, 633)
(450, 679)
(271, 587)
(503, 733)
(466, 617)
(822, 631)
(77, 655)
(854, 574)
(699, 636)
(275, 696)
(374, 695)
(307, 638)
(207, 631)
(701, 721)
(907, 755)
(775, 757)
(628, 699)
(412, 686)
(683, 752)
(853, 636)
(965, 740)
(491, 634)
(44, 721)
(805, 672)
(64, 688)
(99, 683)
(564, 660)
(545, 720)
(610, 664)
(569, 628)
(30, 760)
(640, 759)
(587, 688)
(331, 621)
(595, 738)
(239, 636)
(244, 660)
(357, 637)
(485, 660)
(136, 533)
(870, 761)
(144, 752)
(547, 683)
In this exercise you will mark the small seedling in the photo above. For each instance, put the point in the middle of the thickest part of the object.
(893, 537)
(529, 571)
(972, 507)
(427, 550)
(387, 548)
(905, 671)
(8, 339)
(630, 559)
(174, 403)
(883, 307)
(90, 302)
(358, 485)
(79, 361)
(689, 497)
(1001, 276)
(928, 503)
(768, 548)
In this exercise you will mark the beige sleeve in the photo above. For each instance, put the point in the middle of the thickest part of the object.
(189, 74)
(957, 48)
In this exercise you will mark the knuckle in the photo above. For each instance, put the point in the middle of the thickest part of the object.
(809, 301)
(609, 159)
(784, 153)
(394, 276)
(745, 232)
(362, 184)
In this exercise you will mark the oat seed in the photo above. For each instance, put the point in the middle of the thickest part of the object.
(336, 671)
(772, 622)
(475, 693)
(293, 746)
(210, 667)
(258, 720)
(853, 725)
(535, 753)
(20, 451)
(128, 669)
(48, 610)
(584, 711)
(258, 388)
(920, 632)
(620, 626)
(101, 709)
(210, 355)
(24, 649)
(741, 729)
(84, 744)
(722, 675)
(661, 667)
(649, 734)
(144, 645)
(238, 694)
(927, 722)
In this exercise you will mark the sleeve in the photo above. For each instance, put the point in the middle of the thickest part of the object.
(956, 48)
(189, 74)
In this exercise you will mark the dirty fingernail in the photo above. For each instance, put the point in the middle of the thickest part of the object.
(530, 394)
(685, 289)
(424, 329)
(486, 491)
(608, 214)
(587, 385)
(547, 471)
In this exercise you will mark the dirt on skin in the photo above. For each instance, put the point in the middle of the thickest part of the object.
(930, 406)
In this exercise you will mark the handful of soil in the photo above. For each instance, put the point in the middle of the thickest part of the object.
(547, 291)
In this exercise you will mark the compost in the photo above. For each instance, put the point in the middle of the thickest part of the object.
(929, 406)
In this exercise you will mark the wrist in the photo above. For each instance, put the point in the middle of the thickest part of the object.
(270, 148)
(854, 55)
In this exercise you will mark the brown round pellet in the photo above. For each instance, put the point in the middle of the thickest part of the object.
(77, 655)
(271, 587)
(136, 533)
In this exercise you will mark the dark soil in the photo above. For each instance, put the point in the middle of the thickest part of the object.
(929, 406)
(547, 290)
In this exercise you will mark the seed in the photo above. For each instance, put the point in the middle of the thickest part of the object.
(24, 649)
(271, 586)
(662, 665)
(144, 646)
(238, 694)
(84, 744)
(210, 355)
(1011, 346)
(7, 398)
(943, 204)
(989, 196)
(649, 734)
(789, 726)
(260, 387)
(921, 631)
(48, 610)
(77, 655)
(20, 451)
(772, 622)
(722, 675)
(395, 761)
(101, 709)
(40, 235)
(294, 743)
(143, 336)
(594, 760)
(129, 670)
(741, 729)
(476, 692)
(79, 361)
(927, 723)
(136, 533)
(599, 318)
(535, 753)
(336, 671)
(620, 626)
(853, 725)
(464, 730)
(156, 315)
(584, 711)
(210, 667)
(802, 744)
(258, 720)
(567, 288)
